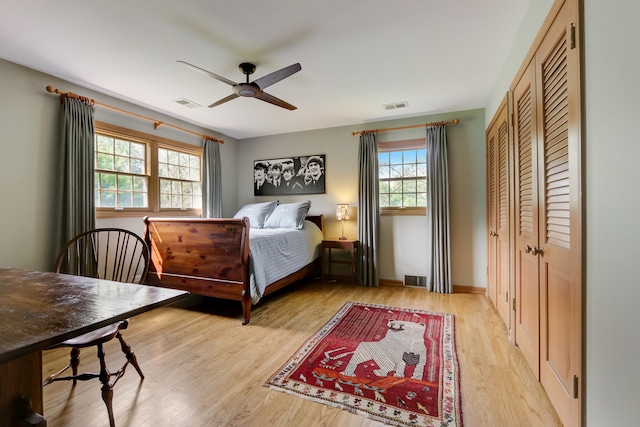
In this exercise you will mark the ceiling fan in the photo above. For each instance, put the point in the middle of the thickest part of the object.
(253, 89)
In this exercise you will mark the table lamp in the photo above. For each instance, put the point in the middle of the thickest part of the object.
(342, 215)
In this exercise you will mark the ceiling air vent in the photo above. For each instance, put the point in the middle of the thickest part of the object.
(187, 103)
(396, 105)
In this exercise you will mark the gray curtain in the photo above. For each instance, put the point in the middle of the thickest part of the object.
(211, 180)
(438, 257)
(368, 210)
(78, 210)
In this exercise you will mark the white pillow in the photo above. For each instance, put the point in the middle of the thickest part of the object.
(288, 215)
(256, 212)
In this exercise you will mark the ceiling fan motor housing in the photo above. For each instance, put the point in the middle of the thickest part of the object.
(250, 90)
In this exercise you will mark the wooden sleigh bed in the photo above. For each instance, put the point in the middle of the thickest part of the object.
(210, 257)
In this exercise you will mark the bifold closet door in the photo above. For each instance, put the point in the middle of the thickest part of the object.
(492, 213)
(498, 213)
(504, 221)
(548, 209)
(559, 250)
(525, 153)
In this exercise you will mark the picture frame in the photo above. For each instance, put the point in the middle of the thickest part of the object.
(289, 175)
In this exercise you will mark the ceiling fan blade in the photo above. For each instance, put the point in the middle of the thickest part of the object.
(276, 76)
(209, 73)
(223, 100)
(275, 101)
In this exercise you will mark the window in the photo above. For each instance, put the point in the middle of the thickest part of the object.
(138, 173)
(179, 179)
(121, 178)
(402, 177)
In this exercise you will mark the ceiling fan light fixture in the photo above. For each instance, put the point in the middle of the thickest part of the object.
(246, 90)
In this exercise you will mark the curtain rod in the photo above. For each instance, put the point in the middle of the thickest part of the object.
(449, 122)
(156, 123)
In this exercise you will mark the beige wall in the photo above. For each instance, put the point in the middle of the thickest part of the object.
(403, 248)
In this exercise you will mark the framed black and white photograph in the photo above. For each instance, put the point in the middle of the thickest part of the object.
(289, 175)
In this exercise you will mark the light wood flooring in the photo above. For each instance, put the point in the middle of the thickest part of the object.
(203, 368)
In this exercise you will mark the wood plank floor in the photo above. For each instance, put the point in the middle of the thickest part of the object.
(203, 368)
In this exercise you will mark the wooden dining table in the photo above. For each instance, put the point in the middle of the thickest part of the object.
(42, 309)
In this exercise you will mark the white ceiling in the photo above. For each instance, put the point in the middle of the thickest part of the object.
(356, 55)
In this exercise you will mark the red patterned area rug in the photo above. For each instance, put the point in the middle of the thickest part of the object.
(395, 365)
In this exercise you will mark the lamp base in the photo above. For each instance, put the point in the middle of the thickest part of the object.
(343, 237)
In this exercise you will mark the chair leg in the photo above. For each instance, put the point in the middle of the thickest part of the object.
(75, 362)
(126, 349)
(107, 389)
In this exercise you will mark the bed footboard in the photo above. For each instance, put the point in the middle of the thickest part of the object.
(208, 257)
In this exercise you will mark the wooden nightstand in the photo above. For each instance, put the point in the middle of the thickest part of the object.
(346, 245)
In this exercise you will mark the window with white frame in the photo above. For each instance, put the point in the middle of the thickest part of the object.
(136, 173)
(402, 177)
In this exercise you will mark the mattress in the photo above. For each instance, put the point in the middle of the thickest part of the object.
(275, 253)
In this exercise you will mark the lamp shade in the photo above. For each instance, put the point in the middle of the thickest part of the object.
(342, 212)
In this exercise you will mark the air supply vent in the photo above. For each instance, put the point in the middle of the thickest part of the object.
(396, 105)
(187, 103)
(416, 281)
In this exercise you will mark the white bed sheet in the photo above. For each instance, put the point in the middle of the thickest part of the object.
(278, 252)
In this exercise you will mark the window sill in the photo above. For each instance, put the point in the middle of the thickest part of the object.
(403, 211)
(133, 213)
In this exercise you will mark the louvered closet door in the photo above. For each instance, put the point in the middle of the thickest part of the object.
(498, 213)
(503, 234)
(526, 281)
(557, 64)
(492, 213)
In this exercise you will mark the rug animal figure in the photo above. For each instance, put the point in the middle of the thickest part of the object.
(402, 346)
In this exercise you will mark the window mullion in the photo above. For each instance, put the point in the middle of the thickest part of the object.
(154, 179)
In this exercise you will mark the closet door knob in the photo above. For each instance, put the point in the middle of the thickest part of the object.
(528, 249)
(536, 251)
